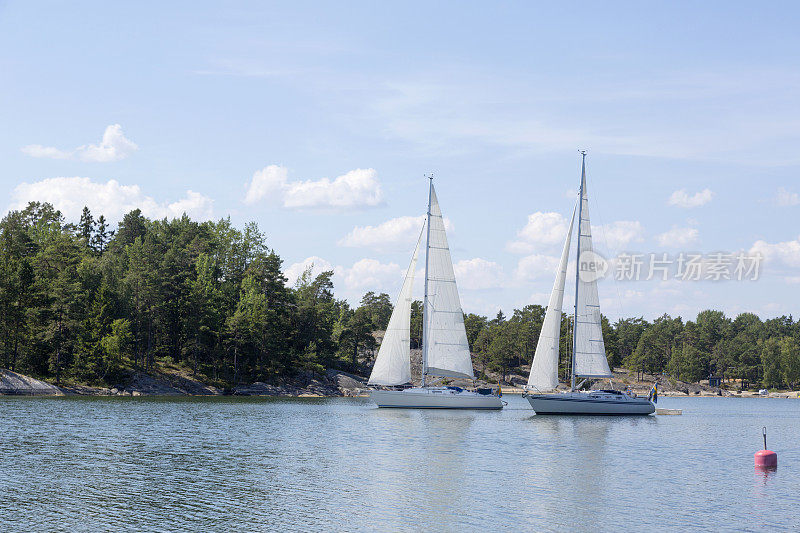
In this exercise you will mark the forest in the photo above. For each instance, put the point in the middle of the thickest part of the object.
(83, 302)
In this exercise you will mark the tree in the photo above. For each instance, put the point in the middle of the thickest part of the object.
(687, 362)
(205, 322)
(315, 320)
(116, 346)
(82, 302)
(771, 362)
(378, 307)
(132, 226)
(101, 236)
(611, 343)
(86, 227)
(357, 335)
(502, 348)
(628, 332)
(655, 347)
(416, 324)
(60, 302)
(16, 279)
(245, 328)
(742, 351)
(526, 324)
(713, 328)
(790, 360)
(483, 348)
(475, 325)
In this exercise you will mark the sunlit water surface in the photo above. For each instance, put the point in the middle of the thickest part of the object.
(224, 464)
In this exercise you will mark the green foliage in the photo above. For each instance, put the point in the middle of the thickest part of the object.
(85, 303)
(656, 345)
(116, 346)
(474, 324)
(378, 308)
(790, 360)
(416, 324)
(88, 303)
(771, 362)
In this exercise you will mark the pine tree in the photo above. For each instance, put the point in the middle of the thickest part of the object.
(86, 227)
(101, 236)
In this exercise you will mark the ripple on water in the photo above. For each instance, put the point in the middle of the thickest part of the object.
(145, 464)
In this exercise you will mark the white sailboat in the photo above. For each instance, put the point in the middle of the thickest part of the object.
(445, 350)
(588, 349)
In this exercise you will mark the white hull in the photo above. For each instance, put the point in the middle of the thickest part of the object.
(590, 403)
(435, 398)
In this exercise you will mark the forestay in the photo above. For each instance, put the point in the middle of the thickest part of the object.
(590, 351)
(393, 364)
(544, 370)
(447, 349)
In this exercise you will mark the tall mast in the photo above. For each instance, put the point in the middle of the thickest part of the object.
(425, 303)
(577, 269)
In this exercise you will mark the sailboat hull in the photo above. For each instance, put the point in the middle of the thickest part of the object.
(590, 403)
(435, 398)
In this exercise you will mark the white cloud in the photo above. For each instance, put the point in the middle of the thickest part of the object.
(681, 198)
(787, 252)
(295, 270)
(268, 184)
(37, 150)
(618, 234)
(113, 147)
(364, 275)
(536, 266)
(478, 273)
(372, 275)
(677, 237)
(542, 230)
(110, 199)
(792, 279)
(786, 198)
(356, 189)
(396, 233)
(470, 303)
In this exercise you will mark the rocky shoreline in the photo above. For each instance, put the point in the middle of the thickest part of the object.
(334, 383)
(173, 383)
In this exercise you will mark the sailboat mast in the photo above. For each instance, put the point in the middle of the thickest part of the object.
(425, 313)
(578, 269)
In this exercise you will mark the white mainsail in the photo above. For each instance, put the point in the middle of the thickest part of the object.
(544, 369)
(590, 351)
(445, 340)
(393, 364)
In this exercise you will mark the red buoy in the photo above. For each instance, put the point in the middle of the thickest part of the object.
(765, 458)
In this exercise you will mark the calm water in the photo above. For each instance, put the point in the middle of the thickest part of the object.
(93, 464)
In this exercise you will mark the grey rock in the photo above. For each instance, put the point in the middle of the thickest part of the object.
(12, 383)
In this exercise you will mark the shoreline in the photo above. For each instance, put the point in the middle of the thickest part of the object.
(287, 395)
(169, 382)
(333, 384)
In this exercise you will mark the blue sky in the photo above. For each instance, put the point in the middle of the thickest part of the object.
(318, 121)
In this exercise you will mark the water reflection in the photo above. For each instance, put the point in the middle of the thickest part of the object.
(416, 462)
(238, 464)
(764, 473)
